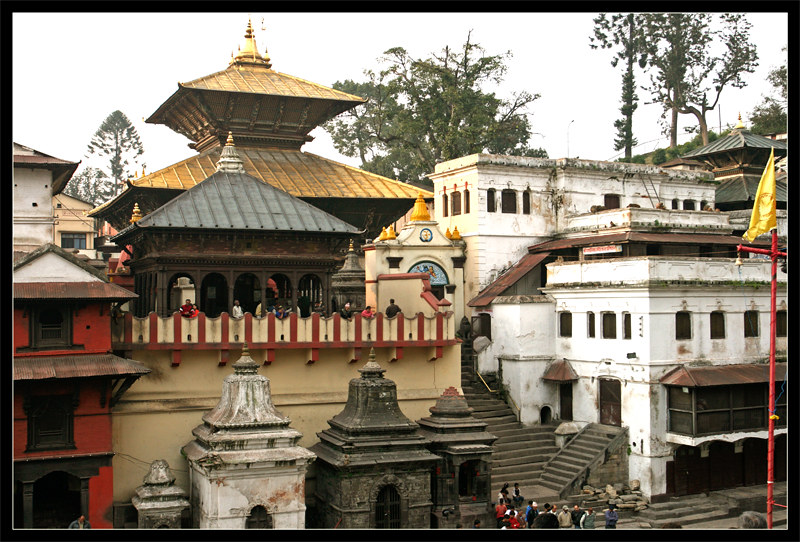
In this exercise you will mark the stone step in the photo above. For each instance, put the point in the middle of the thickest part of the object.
(487, 409)
(499, 427)
(559, 480)
(517, 460)
(520, 436)
(584, 448)
(594, 440)
(705, 514)
(565, 466)
(578, 455)
(504, 418)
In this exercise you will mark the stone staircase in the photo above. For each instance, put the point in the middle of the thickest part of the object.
(565, 471)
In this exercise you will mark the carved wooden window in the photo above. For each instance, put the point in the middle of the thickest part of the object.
(717, 325)
(50, 422)
(51, 326)
(455, 203)
(491, 207)
(509, 201)
(444, 204)
(609, 325)
(526, 202)
(626, 325)
(683, 325)
(751, 323)
(565, 324)
(611, 201)
(466, 201)
(780, 323)
(259, 518)
(590, 325)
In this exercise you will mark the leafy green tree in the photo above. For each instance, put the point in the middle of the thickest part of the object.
(685, 77)
(769, 117)
(622, 32)
(117, 140)
(92, 185)
(423, 111)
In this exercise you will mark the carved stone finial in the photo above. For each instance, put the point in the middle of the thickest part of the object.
(371, 369)
(229, 157)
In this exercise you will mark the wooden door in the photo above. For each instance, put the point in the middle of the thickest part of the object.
(691, 471)
(725, 466)
(565, 395)
(610, 402)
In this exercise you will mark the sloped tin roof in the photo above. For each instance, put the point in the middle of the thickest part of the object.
(560, 371)
(721, 375)
(71, 290)
(744, 188)
(55, 249)
(75, 366)
(739, 139)
(505, 281)
(238, 201)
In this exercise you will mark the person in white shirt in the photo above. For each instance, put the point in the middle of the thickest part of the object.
(237, 312)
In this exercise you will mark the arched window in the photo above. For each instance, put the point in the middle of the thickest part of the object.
(676, 204)
(466, 201)
(590, 325)
(490, 203)
(565, 324)
(455, 203)
(444, 204)
(526, 202)
(387, 508)
(717, 325)
(509, 201)
(259, 518)
(688, 205)
(751, 323)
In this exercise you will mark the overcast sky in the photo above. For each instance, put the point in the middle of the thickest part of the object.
(70, 70)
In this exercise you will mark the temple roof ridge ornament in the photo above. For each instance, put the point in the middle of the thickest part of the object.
(420, 212)
(248, 54)
(740, 124)
(229, 159)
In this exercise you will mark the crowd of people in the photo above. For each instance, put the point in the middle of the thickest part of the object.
(190, 310)
(510, 514)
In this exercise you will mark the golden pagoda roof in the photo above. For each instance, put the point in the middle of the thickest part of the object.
(301, 174)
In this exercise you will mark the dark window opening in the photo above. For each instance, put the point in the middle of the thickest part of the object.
(626, 325)
(259, 518)
(466, 201)
(683, 325)
(609, 325)
(751, 323)
(444, 205)
(565, 324)
(73, 240)
(653, 250)
(590, 325)
(490, 203)
(717, 325)
(509, 201)
(780, 323)
(387, 508)
(676, 204)
(611, 201)
(482, 325)
(455, 203)
(526, 202)
(51, 327)
(688, 205)
(469, 473)
(50, 423)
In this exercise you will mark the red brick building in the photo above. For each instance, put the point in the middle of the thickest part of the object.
(66, 380)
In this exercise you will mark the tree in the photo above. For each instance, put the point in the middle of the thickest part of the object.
(422, 111)
(769, 117)
(686, 78)
(92, 185)
(624, 33)
(118, 140)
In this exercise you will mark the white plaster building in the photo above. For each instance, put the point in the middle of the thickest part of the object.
(600, 276)
(37, 178)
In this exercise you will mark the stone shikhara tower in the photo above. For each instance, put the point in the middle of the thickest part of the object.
(245, 468)
(374, 470)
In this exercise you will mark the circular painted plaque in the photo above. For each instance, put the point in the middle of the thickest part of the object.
(425, 235)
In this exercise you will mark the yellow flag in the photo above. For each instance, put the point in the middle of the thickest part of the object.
(764, 217)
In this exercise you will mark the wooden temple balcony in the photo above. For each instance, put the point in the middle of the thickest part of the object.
(224, 333)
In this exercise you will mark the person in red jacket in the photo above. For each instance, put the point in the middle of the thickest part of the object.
(186, 308)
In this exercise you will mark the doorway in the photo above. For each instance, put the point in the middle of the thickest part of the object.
(610, 402)
(56, 500)
(387, 509)
(565, 397)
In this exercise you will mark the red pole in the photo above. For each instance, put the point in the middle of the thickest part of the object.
(770, 411)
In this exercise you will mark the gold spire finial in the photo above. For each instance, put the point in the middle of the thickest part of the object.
(456, 236)
(391, 234)
(447, 233)
(351, 246)
(137, 214)
(384, 235)
(739, 125)
(420, 212)
(229, 141)
(249, 53)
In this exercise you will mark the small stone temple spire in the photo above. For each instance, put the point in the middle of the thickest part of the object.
(229, 159)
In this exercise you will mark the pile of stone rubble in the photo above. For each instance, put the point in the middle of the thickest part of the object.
(625, 497)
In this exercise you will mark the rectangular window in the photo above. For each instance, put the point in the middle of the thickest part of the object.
(466, 202)
(590, 325)
(455, 203)
(683, 325)
(51, 326)
(73, 240)
(717, 325)
(609, 325)
(50, 422)
(780, 323)
(526, 202)
(509, 201)
(490, 203)
(611, 201)
(751, 323)
(565, 324)
(626, 325)
(444, 204)
(482, 325)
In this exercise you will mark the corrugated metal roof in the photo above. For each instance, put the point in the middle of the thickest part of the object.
(689, 238)
(229, 200)
(62, 169)
(261, 80)
(508, 279)
(739, 139)
(52, 367)
(298, 173)
(721, 375)
(560, 371)
(50, 248)
(744, 188)
(71, 290)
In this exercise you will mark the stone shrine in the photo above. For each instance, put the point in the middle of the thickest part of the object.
(461, 491)
(374, 470)
(159, 502)
(245, 468)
